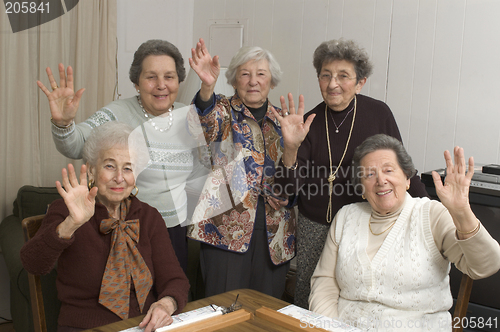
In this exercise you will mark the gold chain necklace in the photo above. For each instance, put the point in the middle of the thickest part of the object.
(333, 174)
(388, 228)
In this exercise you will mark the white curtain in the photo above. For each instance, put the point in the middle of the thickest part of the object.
(85, 38)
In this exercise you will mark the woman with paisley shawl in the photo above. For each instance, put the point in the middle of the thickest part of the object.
(247, 233)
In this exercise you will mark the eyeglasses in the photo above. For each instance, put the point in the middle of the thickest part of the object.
(341, 78)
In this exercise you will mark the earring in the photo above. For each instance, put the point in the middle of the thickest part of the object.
(407, 187)
(138, 91)
(91, 184)
(363, 196)
(136, 192)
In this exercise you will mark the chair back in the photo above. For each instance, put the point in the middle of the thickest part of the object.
(30, 227)
(462, 303)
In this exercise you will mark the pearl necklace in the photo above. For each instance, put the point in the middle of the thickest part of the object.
(151, 121)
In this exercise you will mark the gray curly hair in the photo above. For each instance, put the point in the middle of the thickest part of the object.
(340, 49)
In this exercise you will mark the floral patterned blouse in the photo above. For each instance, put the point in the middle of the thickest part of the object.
(244, 157)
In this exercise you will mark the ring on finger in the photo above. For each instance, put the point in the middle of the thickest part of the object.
(54, 87)
(286, 113)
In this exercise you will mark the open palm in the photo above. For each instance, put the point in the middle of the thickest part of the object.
(206, 67)
(293, 127)
(63, 100)
(79, 200)
(454, 194)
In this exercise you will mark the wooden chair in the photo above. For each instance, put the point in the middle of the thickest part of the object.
(30, 227)
(462, 303)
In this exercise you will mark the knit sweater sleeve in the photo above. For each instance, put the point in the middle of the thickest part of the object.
(40, 254)
(70, 141)
(477, 256)
(325, 290)
(170, 279)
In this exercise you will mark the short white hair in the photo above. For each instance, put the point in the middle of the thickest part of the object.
(255, 53)
(105, 137)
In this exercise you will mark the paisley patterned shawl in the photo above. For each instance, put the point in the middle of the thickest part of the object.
(248, 161)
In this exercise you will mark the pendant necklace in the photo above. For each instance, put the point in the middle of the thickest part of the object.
(337, 127)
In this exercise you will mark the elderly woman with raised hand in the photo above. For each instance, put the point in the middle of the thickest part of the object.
(387, 260)
(156, 72)
(91, 232)
(316, 162)
(247, 235)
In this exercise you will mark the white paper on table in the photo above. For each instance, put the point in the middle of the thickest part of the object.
(309, 318)
(186, 318)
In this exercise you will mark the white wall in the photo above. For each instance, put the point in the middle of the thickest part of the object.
(443, 78)
(434, 61)
(139, 21)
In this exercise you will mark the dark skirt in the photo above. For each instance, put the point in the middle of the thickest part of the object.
(225, 270)
(180, 244)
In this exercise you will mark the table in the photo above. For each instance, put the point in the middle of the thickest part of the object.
(250, 300)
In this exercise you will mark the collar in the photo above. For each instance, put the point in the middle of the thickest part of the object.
(102, 210)
(242, 110)
(378, 216)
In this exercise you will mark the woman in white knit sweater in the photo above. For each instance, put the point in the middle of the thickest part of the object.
(386, 261)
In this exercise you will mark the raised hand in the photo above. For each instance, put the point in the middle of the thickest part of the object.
(292, 122)
(454, 194)
(79, 200)
(63, 100)
(206, 67)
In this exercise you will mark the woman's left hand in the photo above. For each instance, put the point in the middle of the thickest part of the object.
(454, 194)
(293, 127)
(292, 123)
(159, 314)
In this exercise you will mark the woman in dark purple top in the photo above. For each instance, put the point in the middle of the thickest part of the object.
(316, 163)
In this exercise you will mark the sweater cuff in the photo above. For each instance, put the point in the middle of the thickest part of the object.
(204, 107)
(63, 132)
(54, 242)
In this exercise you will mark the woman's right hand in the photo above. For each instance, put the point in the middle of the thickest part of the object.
(206, 67)
(79, 200)
(63, 100)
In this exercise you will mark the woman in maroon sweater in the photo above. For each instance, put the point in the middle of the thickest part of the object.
(113, 252)
(318, 151)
